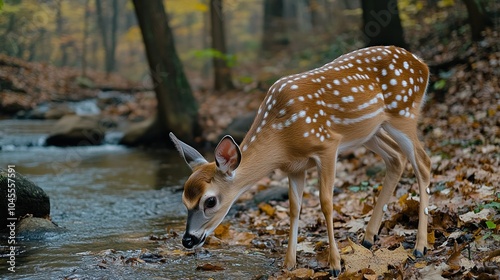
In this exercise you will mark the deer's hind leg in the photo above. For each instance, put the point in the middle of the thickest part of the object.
(394, 159)
(404, 132)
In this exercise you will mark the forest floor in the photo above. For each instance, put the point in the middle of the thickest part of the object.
(460, 125)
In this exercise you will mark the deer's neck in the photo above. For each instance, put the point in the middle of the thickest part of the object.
(257, 161)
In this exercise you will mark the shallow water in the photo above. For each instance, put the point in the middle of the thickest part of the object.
(110, 199)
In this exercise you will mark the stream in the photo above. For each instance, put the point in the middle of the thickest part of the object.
(111, 200)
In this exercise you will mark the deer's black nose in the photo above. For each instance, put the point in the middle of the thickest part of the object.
(189, 241)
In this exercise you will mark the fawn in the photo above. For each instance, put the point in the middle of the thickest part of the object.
(369, 97)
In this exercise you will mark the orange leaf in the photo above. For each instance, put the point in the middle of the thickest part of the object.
(209, 267)
(431, 239)
(403, 198)
(266, 208)
(222, 231)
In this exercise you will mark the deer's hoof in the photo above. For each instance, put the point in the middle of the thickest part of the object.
(419, 254)
(366, 244)
(335, 272)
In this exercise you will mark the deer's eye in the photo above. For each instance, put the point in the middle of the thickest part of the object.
(210, 202)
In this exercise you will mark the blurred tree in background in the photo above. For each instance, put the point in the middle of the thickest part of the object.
(381, 23)
(177, 109)
(478, 18)
(108, 35)
(222, 77)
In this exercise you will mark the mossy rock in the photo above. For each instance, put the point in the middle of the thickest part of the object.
(30, 199)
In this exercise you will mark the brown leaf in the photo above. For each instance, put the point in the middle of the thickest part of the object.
(388, 241)
(222, 231)
(241, 238)
(361, 258)
(350, 276)
(209, 267)
(266, 208)
(433, 272)
(301, 273)
(454, 261)
(322, 257)
(492, 255)
(321, 275)
(403, 198)
(366, 208)
(421, 264)
(431, 238)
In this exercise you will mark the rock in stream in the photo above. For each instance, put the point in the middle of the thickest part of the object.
(31, 199)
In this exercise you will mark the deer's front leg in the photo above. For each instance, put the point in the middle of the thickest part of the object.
(296, 189)
(326, 168)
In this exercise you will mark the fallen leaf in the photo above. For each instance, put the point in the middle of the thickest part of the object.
(266, 208)
(421, 264)
(400, 231)
(355, 225)
(322, 257)
(433, 272)
(222, 231)
(476, 217)
(306, 247)
(492, 255)
(209, 267)
(240, 238)
(369, 274)
(403, 198)
(387, 241)
(454, 260)
(321, 275)
(378, 261)
(431, 238)
(301, 273)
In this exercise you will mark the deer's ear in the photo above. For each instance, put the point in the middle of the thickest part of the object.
(192, 157)
(227, 155)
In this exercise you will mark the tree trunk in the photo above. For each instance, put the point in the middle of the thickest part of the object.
(84, 39)
(63, 46)
(222, 72)
(381, 23)
(478, 19)
(207, 69)
(110, 58)
(177, 108)
(108, 38)
(274, 35)
(318, 19)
